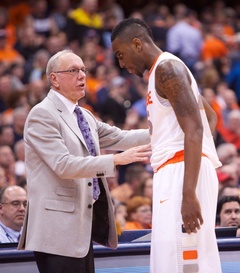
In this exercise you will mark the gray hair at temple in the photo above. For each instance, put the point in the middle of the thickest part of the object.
(53, 62)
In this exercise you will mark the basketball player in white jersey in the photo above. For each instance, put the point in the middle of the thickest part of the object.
(184, 158)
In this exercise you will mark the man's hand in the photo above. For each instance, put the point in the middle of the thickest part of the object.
(136, 154)
(191, 214)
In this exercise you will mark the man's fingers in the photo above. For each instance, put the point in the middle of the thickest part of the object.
(192, 226)
(146, 147)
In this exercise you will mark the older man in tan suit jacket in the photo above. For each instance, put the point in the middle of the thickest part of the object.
(62, 218)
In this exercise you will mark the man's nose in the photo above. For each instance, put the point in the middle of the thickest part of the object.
(234, 215)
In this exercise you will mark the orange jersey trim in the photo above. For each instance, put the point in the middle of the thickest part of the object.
(178, 157)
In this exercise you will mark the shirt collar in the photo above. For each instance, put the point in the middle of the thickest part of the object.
(12, 233)
(69, 104)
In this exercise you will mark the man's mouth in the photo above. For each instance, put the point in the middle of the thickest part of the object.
(233, 224)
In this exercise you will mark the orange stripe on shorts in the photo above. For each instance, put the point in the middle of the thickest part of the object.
(190, 255)
(178, 157)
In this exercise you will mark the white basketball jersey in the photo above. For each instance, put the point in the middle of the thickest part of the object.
(167, 137)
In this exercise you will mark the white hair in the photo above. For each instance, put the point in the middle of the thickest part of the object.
(53, 61)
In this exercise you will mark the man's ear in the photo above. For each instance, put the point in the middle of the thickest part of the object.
(1, 206)
(137, 43)
(53, 80)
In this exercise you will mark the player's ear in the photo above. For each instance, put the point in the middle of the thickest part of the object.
(137, 43)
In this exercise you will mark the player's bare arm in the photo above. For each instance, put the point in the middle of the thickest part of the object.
(211, 115)
(173, 83)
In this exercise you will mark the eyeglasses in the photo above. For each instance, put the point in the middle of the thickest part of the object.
(73, 71)
(144, 210)
(16, 204)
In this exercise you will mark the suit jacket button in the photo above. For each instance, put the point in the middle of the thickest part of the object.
(89, 184)
(89, 206)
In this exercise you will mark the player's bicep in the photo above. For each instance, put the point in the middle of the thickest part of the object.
(173, 83)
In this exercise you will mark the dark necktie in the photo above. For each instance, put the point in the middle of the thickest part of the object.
(86, 132)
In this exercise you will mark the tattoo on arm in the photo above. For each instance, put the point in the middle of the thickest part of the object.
(174, 84)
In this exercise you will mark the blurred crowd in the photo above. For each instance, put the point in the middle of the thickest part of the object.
(207, 40)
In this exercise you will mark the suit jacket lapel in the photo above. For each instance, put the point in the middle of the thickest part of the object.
(66, 116)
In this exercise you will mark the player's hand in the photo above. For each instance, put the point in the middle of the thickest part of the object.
(191, 214)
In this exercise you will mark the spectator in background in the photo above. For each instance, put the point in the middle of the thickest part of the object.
(227, 153)
(213, 48)
(8, 55)
(15, 99)
(111, 19)
(20, 159)
(136, 116)
(184, 40)
(28, 43)
(112, 181)
(40, 19)
(82, 19)
(60, 12)
(228, 173)
(95, 81)
(6, 135)
(3, 178)
(229, 190)
(13, 203)
(228, 211)
(231, 132)
(19, 118)
(230, 103)
(146, 187)
(16, 70)
(55, 43)
(2, 68)
(121, 216)
(159, 20)
(227, 176)
(7, 162)
(233, 75)
(37, 91)
(139, 213)
(8, 28)
(119, 100)
(102, 93)
(111, 7)
(38, 70)
(135, 173)
(18, 12)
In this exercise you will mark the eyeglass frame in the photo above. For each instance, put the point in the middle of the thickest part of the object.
(144, 210)
(16, 203)
(73, 71)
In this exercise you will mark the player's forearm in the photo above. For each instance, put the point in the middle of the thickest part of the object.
(192, 161)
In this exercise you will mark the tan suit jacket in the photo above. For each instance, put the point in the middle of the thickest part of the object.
(61, 218)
